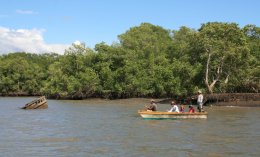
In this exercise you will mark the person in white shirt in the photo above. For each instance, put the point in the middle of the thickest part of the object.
(174, 107)
(200, 101)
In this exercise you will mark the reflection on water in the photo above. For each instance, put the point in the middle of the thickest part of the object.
(113, 128)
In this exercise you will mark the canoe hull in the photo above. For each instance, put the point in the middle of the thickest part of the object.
(172, 115)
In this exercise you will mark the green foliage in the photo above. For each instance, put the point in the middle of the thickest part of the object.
(224, 50)
(21, 74)
(149, 61)
(146, 39)
(71, 76)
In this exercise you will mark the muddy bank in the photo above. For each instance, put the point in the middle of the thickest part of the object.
(222, 99)
(233, 99)
(237, 103)
(216, 99)
(19, 94)
(230, 97)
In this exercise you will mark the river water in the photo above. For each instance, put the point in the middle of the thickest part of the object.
(112, 128)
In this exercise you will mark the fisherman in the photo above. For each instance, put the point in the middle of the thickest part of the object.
(152, 106)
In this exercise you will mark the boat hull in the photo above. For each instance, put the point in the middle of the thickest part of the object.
(39, 103)
(172, 115)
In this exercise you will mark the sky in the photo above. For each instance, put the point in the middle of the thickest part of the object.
(39, 26)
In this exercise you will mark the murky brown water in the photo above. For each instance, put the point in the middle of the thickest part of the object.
(113, 128)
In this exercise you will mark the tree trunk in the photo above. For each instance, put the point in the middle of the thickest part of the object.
(209, 86)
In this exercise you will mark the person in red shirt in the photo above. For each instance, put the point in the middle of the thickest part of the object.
(191, 109)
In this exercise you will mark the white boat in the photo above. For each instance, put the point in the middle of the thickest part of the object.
(172, 115)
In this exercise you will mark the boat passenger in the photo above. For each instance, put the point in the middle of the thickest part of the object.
(152, 106)
(182, 108)
(174, 107)
(191, 109)
(200, 101)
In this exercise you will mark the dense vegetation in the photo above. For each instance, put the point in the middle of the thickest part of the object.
(149, 61)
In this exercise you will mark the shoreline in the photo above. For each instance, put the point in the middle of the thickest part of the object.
(210, 99)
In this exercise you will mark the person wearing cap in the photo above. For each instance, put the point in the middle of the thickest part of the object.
(191, 109)
(152, 106)
(200, 101)
(174, 107)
